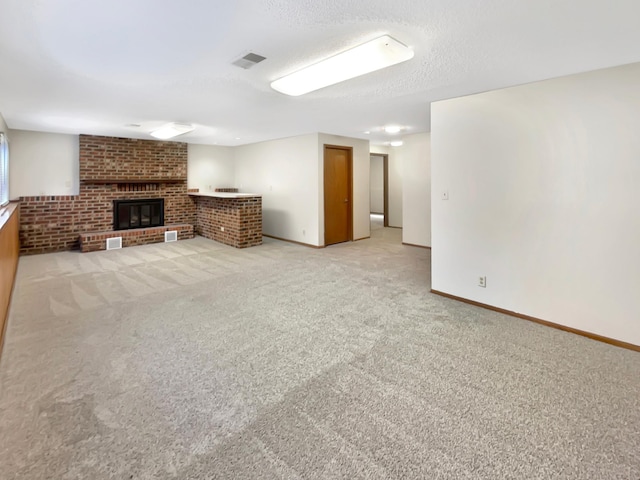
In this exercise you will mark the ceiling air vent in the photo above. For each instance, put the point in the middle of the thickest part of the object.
(248, 61)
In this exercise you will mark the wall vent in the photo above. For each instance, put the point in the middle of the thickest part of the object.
(170, 236)
(248, 61)
(114, 243)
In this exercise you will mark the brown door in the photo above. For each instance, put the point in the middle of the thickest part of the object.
(337, 194)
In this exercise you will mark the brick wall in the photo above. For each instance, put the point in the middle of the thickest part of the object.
(111, 158)
(110, 169)
(232, 221)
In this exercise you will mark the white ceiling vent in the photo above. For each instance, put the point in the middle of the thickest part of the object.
(248, 61)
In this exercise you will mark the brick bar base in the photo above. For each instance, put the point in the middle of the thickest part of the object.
(232, 221)
(94, 241)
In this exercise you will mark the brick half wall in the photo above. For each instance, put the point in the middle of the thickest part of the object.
(233, 221)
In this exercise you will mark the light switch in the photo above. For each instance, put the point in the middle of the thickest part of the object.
(445, 195)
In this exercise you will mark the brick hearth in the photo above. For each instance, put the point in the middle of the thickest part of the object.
(94, 241)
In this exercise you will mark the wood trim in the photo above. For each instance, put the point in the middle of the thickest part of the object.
(582, 333)
(414, 245)
(9, 252)
(292, 241)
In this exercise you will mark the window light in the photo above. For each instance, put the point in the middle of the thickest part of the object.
(171, 130)
(368, 57)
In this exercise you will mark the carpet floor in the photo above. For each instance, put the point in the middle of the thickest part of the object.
(193, 360)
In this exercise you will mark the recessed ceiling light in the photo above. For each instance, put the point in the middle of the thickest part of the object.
(171, 130)
(392, 128)
(368, 57)
(397, 143)
(367, 132)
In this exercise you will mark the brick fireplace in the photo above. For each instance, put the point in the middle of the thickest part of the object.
(111, 169)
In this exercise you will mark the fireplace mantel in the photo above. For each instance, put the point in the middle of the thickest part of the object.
(105, 181)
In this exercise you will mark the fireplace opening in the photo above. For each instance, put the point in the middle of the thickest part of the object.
(147, 212)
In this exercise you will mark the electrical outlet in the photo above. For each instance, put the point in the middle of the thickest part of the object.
(482, 282)
(222, 229)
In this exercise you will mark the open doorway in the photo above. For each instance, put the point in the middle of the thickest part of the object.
(379, 190)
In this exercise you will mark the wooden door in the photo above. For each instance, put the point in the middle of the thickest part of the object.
(337, 195)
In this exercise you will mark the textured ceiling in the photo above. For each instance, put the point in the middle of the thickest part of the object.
(78, 66)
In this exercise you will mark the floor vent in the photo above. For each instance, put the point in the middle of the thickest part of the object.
(114, 243)
(170, 236)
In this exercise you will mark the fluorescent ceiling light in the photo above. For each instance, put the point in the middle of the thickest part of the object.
(397, 143)
(368, 57)
(171, 130)
(392, 128)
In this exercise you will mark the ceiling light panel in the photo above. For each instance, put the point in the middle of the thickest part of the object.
(171, 130)
(368, 57)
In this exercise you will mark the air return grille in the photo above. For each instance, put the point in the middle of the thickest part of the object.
(114, 243)
(170, 236)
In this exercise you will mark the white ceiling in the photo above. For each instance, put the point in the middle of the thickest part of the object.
(95, 66)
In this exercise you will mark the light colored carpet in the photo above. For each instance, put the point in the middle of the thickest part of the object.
(193, 360)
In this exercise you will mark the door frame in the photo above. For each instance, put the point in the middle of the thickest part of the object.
(385, 185)
(385, 191)
(349, 151)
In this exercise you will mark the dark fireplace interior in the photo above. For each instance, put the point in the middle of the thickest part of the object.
(147, 212)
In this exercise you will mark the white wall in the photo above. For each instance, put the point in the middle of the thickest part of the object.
(210, 166)
(361, 166)
(285, 172)
(415, 158)
(376, 184)
(4, 129)
(395, 183)
(543, 183)
(43, 164)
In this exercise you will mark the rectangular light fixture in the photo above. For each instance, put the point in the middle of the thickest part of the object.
(171, 130)
(368, 57)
